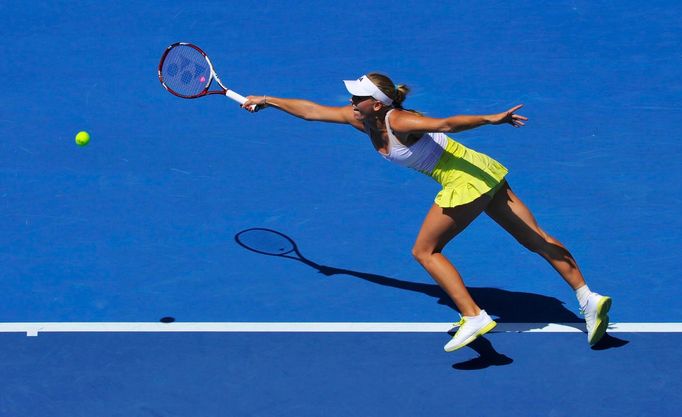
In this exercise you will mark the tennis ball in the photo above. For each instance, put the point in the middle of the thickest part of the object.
(82, 138)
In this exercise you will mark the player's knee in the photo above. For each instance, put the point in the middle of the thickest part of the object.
(421, 253)
(417, 253)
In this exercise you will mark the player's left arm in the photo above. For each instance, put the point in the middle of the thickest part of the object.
(409, 122)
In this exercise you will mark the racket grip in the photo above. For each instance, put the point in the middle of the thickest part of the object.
(235, 96)
(240, 99)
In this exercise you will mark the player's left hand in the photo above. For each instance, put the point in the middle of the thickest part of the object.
(510, 117)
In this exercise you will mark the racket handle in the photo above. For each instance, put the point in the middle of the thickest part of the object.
(235, 96)
(240, 99)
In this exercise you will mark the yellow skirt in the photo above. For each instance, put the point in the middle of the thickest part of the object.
(465, 175)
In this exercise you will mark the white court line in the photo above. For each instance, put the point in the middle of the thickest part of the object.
(32, 329)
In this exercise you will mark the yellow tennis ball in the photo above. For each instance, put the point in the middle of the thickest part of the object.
(82, 138)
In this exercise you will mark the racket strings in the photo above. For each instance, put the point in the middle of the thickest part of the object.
(185, 71)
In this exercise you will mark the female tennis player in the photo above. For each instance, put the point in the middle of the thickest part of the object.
(472, 183)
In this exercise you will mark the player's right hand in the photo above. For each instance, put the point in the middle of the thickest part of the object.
(254, 103)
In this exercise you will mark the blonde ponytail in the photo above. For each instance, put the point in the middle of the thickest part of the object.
(400, 95)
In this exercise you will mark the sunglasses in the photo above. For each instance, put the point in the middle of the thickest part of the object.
(359, 99)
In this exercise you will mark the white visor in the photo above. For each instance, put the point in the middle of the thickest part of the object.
(363, 87)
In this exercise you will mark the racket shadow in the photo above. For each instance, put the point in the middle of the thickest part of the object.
(527, 310)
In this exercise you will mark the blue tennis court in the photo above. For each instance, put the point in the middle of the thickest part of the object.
(100, 243)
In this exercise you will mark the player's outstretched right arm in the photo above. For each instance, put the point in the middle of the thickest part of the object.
(304, 109)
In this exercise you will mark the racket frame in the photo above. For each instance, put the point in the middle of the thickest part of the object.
(214, 76)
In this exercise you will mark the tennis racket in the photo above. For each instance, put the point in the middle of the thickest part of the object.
(186, 71)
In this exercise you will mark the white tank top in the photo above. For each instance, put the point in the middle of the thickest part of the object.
(423, 155)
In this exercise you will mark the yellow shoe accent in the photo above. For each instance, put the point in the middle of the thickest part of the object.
(480, 332)
(601, 322)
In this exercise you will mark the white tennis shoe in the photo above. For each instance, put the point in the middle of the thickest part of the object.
(469, 329)
(596, 316)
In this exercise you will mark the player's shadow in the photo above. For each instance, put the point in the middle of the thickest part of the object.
(526, 310)
(487, 356)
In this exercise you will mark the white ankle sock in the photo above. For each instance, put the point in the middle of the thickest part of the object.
(480, 316)
(583, 293)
